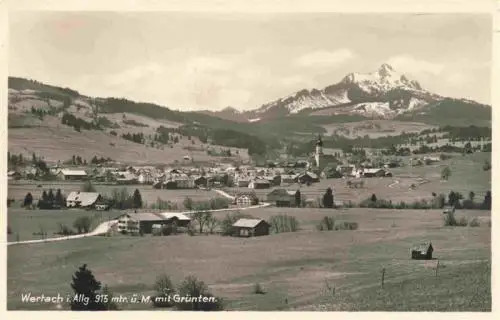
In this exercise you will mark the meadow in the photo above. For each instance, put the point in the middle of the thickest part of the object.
(17, 190)
(297, 271)
(467, 175)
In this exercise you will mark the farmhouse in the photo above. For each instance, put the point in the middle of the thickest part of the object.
(250, 228)
(77, 199)
(308, 177)
(67, 174)
(139, 222)
(242, 181)
(200, 181)
(288, 178)
(246, 199)
(259, 184)
(179, 219)
(422, 251)
(126, 177)
(282, 197)
(13, 175)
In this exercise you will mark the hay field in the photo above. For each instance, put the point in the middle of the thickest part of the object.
(293, 268)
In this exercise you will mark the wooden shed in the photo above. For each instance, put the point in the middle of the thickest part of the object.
(422, 251)
(250, 228)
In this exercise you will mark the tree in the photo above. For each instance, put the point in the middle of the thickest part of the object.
(86, 288)
(28, 200)
(454, 199)
(328, 198)
(471, 196)
(445, 173)
(59, 200)
(297, 198)
(487, 201)
(188, 203)
(212, 222)
(137, 199)
(50, 197)
(201, 218)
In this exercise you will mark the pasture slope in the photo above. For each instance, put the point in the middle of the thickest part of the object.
(297, 270)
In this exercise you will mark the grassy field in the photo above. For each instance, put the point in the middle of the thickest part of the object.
(26, 222)
(149, 195)
(373, 128)
(294, 269)
(42, 136)
(467, 175)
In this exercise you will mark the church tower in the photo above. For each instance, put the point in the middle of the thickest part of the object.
(319, 151)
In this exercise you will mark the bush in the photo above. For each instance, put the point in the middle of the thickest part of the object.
(164, 288)
(283, 223)
(193, 287)
(257, 289)
(462, 222)
(346, 225)
(327, 223)
(64, 230)
(449, 220)
(82, 224)
(474, 223)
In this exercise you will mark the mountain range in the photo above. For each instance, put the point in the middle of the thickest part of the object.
(383, 94)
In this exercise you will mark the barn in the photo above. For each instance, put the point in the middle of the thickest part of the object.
(259, 184)
(78, 199)
(139, 222)
(282, 197)
(250, 228)
(66, 174)
(422, 251)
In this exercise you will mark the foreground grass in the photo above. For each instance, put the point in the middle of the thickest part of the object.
(293, 268)
(457, 288)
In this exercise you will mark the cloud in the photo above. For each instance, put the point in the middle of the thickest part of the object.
(325, 58)
(457, 79)
(132, 75)
(407, 63)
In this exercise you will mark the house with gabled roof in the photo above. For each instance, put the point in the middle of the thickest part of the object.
(250, 228)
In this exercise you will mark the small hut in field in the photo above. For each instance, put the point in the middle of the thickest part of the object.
(422, 251)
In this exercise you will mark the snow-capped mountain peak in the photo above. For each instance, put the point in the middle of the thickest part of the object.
(385, 86)
(381, 80)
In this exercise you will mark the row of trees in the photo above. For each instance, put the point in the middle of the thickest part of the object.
(134, 137)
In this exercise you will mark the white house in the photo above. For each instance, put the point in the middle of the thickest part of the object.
(82, 199)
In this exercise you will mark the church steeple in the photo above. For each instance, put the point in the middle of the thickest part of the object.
(319, 142)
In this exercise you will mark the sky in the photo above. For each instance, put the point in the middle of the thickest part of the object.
(209, 61)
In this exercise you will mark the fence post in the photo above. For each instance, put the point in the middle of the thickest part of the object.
(383, 276)
(437, 268)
